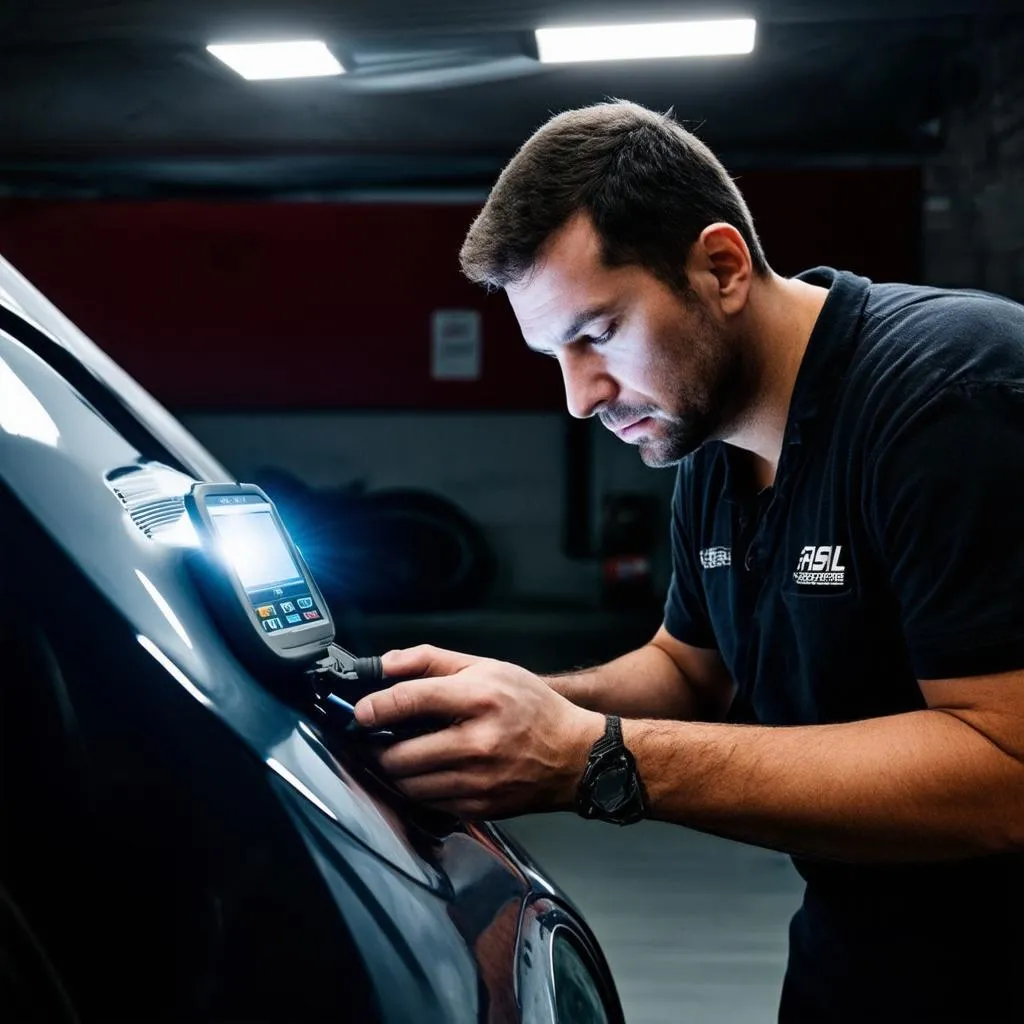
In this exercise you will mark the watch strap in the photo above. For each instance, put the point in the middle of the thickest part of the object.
(610, 740)
(609, 753)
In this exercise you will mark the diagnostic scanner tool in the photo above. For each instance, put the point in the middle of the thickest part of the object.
(265, 599)
(255, 581)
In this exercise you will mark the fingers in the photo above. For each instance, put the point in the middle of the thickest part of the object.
(462, 745)
(425, 660)
(436, 697)
(450, 789)
(457, 794)
(418, 756)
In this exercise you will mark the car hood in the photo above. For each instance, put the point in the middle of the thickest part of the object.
(114, 511)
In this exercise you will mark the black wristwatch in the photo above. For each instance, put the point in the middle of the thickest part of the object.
(611, 789)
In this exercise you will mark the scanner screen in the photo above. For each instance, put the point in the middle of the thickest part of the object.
(253, 545)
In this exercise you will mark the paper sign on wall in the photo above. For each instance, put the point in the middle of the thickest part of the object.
(455, 344)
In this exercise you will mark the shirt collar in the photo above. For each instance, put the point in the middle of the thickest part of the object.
(830, 347)
(825, 363)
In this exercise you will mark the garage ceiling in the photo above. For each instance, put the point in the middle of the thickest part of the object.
(121, 97)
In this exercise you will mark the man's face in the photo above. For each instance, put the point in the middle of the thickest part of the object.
(657, 368)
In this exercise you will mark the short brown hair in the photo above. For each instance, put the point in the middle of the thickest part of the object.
(649, 187)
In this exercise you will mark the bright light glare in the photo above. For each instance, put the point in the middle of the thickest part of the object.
(180, 534)
(169, 482)
(173, 670)
(633, 42)
(21, 413)
(300, 786)
(161, 602)
(307, 58)
(251, 543)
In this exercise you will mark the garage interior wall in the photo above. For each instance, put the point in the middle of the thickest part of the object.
(974, 205)
(296, 336)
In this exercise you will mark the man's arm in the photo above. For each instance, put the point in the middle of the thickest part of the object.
(663, 679)
(938, 784)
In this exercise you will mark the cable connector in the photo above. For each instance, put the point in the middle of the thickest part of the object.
(339, 663)
(360, 675)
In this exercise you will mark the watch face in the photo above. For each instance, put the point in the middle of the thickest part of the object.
(611, 789)
(615, 789)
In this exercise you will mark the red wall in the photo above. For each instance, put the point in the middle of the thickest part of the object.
(292, 305)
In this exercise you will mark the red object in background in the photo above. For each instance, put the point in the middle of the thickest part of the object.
(327, 306)
(631, 525)
(272, 305)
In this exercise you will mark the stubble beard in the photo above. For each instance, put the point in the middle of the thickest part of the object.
(717, 385)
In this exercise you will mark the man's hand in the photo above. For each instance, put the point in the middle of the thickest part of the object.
(514, 745)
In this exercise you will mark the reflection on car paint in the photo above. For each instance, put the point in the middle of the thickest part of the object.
(161, 603)
(292, 843)
(21, 413)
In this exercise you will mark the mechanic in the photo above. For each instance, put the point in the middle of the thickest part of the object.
(840, 672)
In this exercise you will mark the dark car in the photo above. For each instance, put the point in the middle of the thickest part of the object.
(180, 840)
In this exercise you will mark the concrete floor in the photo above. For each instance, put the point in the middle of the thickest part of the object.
(694, 927)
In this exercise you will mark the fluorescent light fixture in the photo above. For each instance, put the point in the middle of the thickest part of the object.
(633, 42)
(305, 58)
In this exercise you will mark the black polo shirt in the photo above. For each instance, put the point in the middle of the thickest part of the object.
(889, 549)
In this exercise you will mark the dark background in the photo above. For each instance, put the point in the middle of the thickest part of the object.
(265, 256)
(261, 297)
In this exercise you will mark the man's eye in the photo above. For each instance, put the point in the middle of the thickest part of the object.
(603, 339)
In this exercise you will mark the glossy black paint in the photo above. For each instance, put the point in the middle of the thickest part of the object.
(179, 842)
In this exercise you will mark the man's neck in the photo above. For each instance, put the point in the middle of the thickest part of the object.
(780, 317)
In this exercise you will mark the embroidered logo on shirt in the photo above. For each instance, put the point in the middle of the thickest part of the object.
(819, 566)
(715, 558)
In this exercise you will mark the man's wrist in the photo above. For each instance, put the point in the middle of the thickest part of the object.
(575, 687)
(588, 728)
(634, 731)
(611, 788)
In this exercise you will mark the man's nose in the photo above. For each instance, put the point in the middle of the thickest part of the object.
(587, 384)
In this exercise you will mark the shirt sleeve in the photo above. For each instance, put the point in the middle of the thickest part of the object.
(947, 504)
(686, 612)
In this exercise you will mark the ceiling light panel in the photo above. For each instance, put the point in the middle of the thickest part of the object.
(636, 42)
(304, 58)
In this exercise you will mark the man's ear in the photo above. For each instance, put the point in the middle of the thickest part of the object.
(724, 254)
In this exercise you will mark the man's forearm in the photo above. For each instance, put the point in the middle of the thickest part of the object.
(645, 683)
(919, 786)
